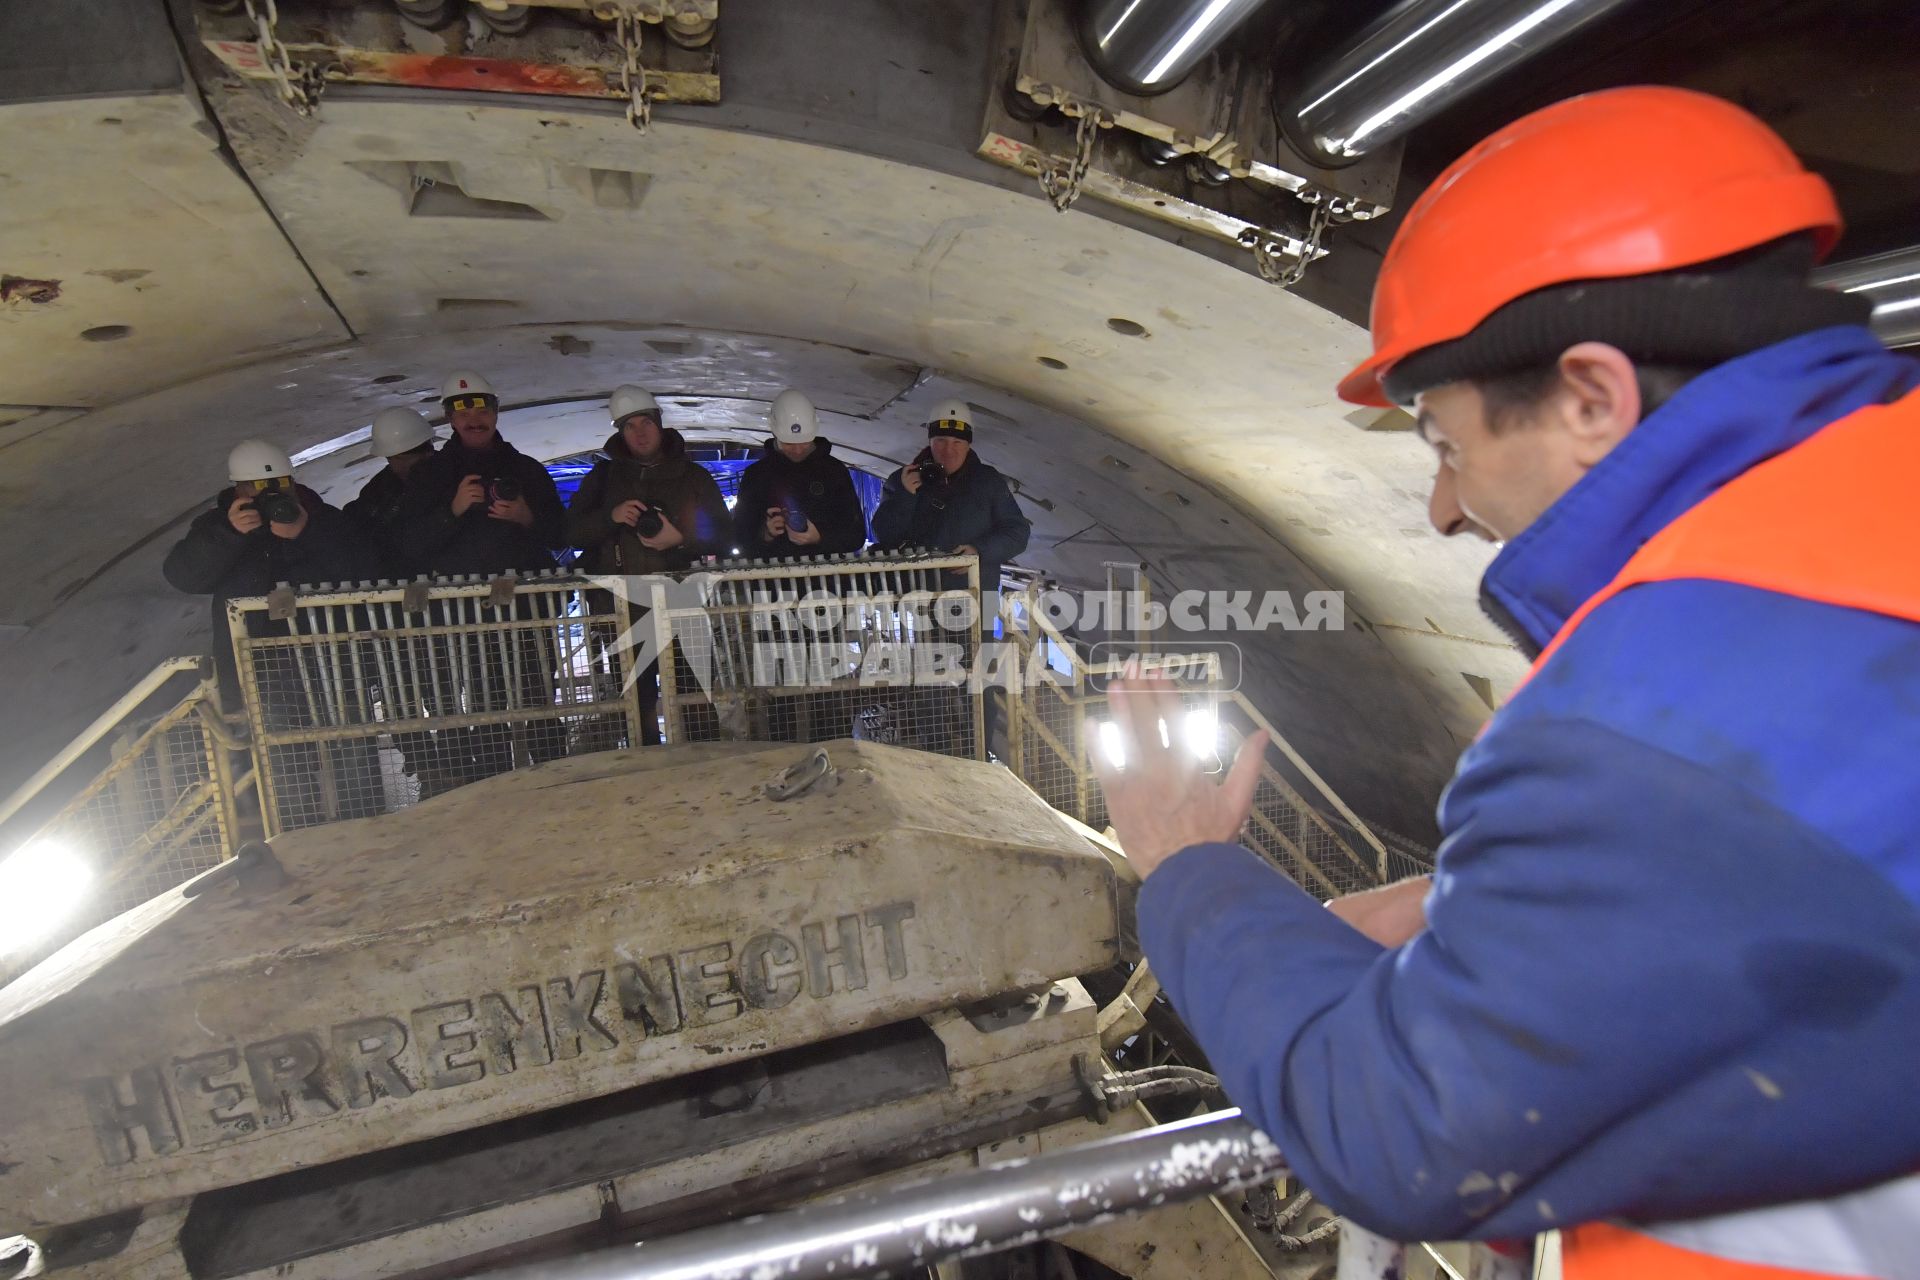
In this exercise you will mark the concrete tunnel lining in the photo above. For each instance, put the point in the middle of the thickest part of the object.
(871, 275)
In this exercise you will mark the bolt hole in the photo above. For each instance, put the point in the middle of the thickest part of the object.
(1051, 363)
(1132, 328)
(105, 333)
(386, 378)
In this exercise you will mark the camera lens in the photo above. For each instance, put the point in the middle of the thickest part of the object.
(649, 523)
(505, 491)
(276, 506)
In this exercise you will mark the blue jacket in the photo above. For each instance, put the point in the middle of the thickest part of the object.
(1672, 962)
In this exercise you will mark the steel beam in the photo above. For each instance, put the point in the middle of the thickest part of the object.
(990, 1209)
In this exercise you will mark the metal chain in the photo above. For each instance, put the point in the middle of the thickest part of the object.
(633, 76)
(1278, 265)
(1061, 179)
(298, 87)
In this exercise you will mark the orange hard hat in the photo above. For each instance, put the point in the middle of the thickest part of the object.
(1624, 182)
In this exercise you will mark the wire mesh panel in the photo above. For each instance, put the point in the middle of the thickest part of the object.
(366, 701)
(1050, 751)
(158, 813)
(883, 649)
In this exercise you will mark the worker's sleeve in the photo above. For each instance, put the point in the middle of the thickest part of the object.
(427, 522)
(588, 522)
(204, 554)
(712, 532)
(334, 548)
(750, 513)
(549, 513)
(893, 518)
(843, 525)
(362, 507)
(1007, 536)
(1617, 940)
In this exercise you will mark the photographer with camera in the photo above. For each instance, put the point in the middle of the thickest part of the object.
(797, 499)
(646, 507)
(405, 440)
(949, 500)
(479, 505)
(263, 530)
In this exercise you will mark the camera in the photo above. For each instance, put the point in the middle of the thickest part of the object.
(931, 472)
(650, 522)
(277, 506)
(503, 490)
(796, 520)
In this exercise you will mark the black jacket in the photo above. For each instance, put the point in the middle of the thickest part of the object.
(974, 507)
(213, 559)
(683, 490)
(377, 509)
(819, 487)
(433, 540)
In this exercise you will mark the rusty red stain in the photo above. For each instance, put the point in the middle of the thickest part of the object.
(488, 75)
(21, 289)
(241, 55)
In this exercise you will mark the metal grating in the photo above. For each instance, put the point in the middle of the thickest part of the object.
(842, 646)
(365, 702)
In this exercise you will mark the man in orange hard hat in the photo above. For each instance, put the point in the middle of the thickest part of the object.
(1664, 987)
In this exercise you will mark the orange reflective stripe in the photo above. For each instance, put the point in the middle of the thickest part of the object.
(1603, 1251)
(1832, 520)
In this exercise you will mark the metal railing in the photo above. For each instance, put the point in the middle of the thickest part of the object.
(871, 647)
(157, 804)
(365, 700)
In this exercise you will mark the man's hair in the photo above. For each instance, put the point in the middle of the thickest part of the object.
(1510, 399)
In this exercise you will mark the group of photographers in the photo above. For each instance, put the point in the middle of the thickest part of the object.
(477, 505)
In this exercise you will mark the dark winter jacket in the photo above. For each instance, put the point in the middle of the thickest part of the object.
(433, 540)
(213, 559)
(819, 487)
(378, 510)
(680, 488)
(974, 507)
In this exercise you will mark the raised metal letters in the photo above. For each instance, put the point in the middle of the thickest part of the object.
(232, 1092)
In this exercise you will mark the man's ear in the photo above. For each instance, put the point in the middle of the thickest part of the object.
(1600, 398)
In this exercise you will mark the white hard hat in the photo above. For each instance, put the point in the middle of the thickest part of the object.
(258, 460)
(629, 400)
(952, 409)
(397, 430)
(792, 418)
(465, 382)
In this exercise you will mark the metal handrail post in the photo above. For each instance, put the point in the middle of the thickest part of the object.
(981, 638)
(101, 726)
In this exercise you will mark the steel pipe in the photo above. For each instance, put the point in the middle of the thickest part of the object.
(1415, 62)
(1004, 1205)
(1891, 281)
(1148, 46)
